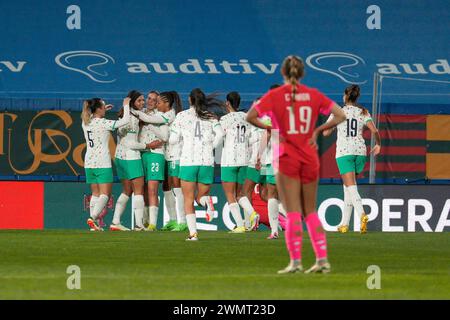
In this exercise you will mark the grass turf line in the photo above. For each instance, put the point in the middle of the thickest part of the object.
(161, 265)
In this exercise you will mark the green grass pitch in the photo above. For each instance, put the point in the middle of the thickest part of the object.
(161, 265)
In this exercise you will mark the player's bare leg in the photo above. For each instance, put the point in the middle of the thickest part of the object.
(230, 189)
(205, 200)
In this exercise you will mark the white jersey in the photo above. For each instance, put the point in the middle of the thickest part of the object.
(200, 137)
(254, 144)
(128, 147)
(172, 151)
(152, 132)
(350, 140)
(235, 147)
(97, 135)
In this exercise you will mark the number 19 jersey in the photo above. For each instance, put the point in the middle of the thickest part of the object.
(295, 121)
(235, 148)
(350, 140)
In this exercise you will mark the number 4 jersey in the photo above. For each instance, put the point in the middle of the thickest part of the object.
(350, 140)
(295, 121)
(235, 148)
(199, 136)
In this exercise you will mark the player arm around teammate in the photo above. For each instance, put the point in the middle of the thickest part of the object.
(129, 168)
(351, 154)
(97, 161)
(154, 163)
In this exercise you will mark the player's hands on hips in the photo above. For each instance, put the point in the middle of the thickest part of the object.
(258, 164)
(376, 149)
(313, 140)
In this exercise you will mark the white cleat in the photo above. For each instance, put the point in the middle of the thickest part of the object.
(320, 268)
(118, 227)
(291, 269)
(193, 237)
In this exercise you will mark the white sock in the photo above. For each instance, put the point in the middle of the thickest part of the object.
(192, 223)
(348, 207)
(281, 209)
(272, 208)
(153, 215)
(180, 205)
(92, 203)
(236, 213)
(356, 200)
(146, 217)
(139, 210)
(248, 209)
(169, 200)
(99, 205)
(121, 204)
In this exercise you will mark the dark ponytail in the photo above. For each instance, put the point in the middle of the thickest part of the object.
(352, 94)
(133, 95)
(89, 108)
(234, 99)
(293, 69)
(203, 103)
(174, 100)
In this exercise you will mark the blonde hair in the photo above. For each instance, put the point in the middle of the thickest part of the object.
(89, 108)
(293, 69)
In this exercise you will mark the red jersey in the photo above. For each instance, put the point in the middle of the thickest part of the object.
(296, 122)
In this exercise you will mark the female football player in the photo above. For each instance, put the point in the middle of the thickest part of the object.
(97, 161)
(351, 154)
(201, 133)
(293, 109)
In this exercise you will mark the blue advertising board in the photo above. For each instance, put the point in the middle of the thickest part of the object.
(78, 49)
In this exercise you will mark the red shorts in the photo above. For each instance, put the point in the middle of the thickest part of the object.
(306, 172)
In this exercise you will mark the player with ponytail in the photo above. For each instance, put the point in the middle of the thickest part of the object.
(351, 154)
(294, 109)
(97, 161)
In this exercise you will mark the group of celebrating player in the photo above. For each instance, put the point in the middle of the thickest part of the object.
(273, 144)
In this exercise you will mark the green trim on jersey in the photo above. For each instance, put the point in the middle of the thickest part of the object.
(351, 163)
(129, 169)
(154, 166)
(367, 120)
(114, 125)
(233, 174)
(99, 175)
(254, 175)
(202, 174)
(173, 168)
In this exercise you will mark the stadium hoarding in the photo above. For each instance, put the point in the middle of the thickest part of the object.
(22, 205)
(51, 143)
(391, 208)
